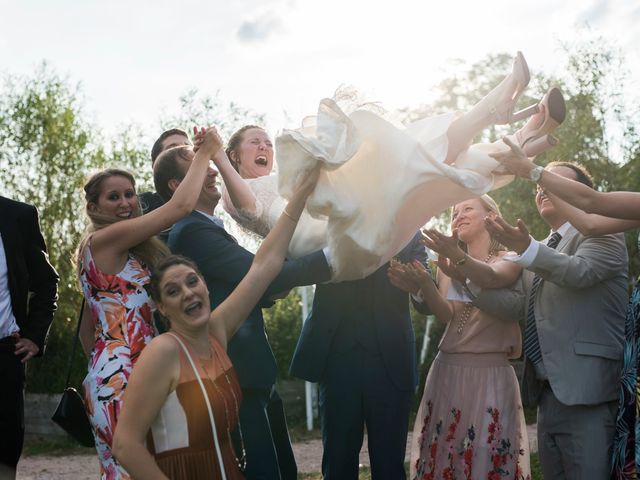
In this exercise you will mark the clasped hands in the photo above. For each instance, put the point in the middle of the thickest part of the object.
(208, 139)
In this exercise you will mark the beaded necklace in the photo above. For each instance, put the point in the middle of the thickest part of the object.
(466, 311)
(242, 461)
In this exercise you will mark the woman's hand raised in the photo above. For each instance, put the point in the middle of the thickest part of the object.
(307, 181)
(443, 245)
(207, 139)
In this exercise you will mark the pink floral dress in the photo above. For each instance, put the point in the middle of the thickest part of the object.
(121, 309)
(470, 424)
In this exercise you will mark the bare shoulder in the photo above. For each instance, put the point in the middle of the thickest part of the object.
(163, 348)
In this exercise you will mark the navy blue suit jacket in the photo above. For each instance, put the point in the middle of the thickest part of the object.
(341, 310)
(224, 264)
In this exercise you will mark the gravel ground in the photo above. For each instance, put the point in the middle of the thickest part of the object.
(85, 467)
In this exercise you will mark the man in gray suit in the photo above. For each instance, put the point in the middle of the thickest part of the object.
(573, 305)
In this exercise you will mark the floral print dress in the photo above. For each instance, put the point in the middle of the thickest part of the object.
(625, 462)
(121, 309)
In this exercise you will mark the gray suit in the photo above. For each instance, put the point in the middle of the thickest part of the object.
(579, 309)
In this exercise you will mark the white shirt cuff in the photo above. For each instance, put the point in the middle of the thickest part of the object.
(528, 256)
(472, 289)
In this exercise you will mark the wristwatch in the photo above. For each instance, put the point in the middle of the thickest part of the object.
(536, 173)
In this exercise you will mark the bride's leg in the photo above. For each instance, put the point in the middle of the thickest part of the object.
(495, 108)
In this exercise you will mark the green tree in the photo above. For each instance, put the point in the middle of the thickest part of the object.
(283, 322)
(45, 150)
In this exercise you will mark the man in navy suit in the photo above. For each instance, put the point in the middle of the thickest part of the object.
(28, 294)
(201, 236)
(358, 343)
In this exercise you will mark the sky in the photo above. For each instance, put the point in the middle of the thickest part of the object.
(133, 59)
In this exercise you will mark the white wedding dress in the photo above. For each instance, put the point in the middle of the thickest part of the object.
(379, 184)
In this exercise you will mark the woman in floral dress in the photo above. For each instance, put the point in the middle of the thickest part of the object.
(470, 424)
(114, 260)
(600, 213)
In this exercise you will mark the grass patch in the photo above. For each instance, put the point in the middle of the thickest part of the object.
(58, 447)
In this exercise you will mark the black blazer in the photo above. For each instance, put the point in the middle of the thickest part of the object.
(224, 264)
(32, 280)
(370, 310)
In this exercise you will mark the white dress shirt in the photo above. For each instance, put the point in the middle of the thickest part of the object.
(8, 323)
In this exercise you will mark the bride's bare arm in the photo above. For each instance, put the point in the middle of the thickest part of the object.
(240, 194)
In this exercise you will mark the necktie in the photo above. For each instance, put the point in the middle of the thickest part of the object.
(531, 342)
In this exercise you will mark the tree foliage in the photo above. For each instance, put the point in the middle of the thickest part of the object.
(202, 109)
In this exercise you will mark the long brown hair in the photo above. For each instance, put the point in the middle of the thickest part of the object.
(149, 252)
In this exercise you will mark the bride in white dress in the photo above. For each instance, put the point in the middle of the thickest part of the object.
(379, 183)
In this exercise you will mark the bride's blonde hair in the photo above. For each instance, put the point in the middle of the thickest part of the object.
(149, 252)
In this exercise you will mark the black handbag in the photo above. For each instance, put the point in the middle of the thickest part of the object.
(71, 414)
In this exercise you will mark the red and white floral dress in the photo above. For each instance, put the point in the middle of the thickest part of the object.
(470, 424)
(121, 309)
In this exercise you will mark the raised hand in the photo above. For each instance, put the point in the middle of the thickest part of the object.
(514, 160)
(308, 181)
(208, 139)
(443, 245)
(399, 278)
(514, 238)
(198, 137)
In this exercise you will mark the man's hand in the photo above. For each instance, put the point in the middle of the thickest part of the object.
(514, 238)
(26, 348)
(514, 160)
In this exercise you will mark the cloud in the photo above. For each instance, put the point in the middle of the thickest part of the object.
(260, 28)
